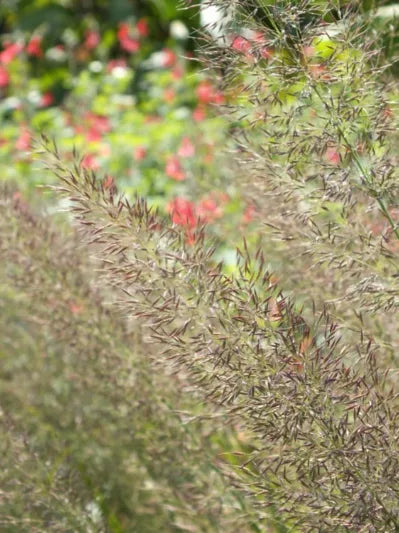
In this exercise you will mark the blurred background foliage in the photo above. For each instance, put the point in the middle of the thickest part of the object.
(119, 81)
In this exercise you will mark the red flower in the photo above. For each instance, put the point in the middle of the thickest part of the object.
(183, 213)
(241, 45)
(186, 148)
(93, 135)
(248, 214)
(308, 51)
(33, 48)
(169, 95)
(24, 140)
(173, 169)
(207, 94)
(259, 37)
(4, 77)
(168, 58)
(126, 42)
(142, 27)
(46, 99)
(123, 31)
(177, 72)
(98, 123)
(109, 182)
(218, 97)
(199, 114)
(319, 71)
(209, 209)
(332, 156)
(89, 162)
(139, 153)
(266, 53)
(92, 39)
(9, 52)
(75, 308)
(130, 45)
(115, 63)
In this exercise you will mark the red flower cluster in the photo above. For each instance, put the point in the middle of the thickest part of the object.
(6, 56)
(251, 47)
(98, 125)
(183, 213)
(10, 51)
(207, 94)
(128, 42)
(186, 214)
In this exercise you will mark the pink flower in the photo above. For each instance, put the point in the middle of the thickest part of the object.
(186, 148)
(177, 72)
(218, 97)
(174, 169)
(139, 153)
(24, 140)
(109, 182)
(142, 28)
(259, 37)
(241, 45)
(308, 51)
(130, 45)
(4, 77)
(9, 52)
(207, 94)
(123, 31)
(126, 42)
(199, 114)
(169, 95)
(93, 135)
(47, 99)
(182, 212)
(209, 210)
(115, 63)
(249, 213)
(168, 58)
(75, 308)
(33, 48)
(98, 123)
(92, 39)
(89, 162)
(266, 53)
(332, 156)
